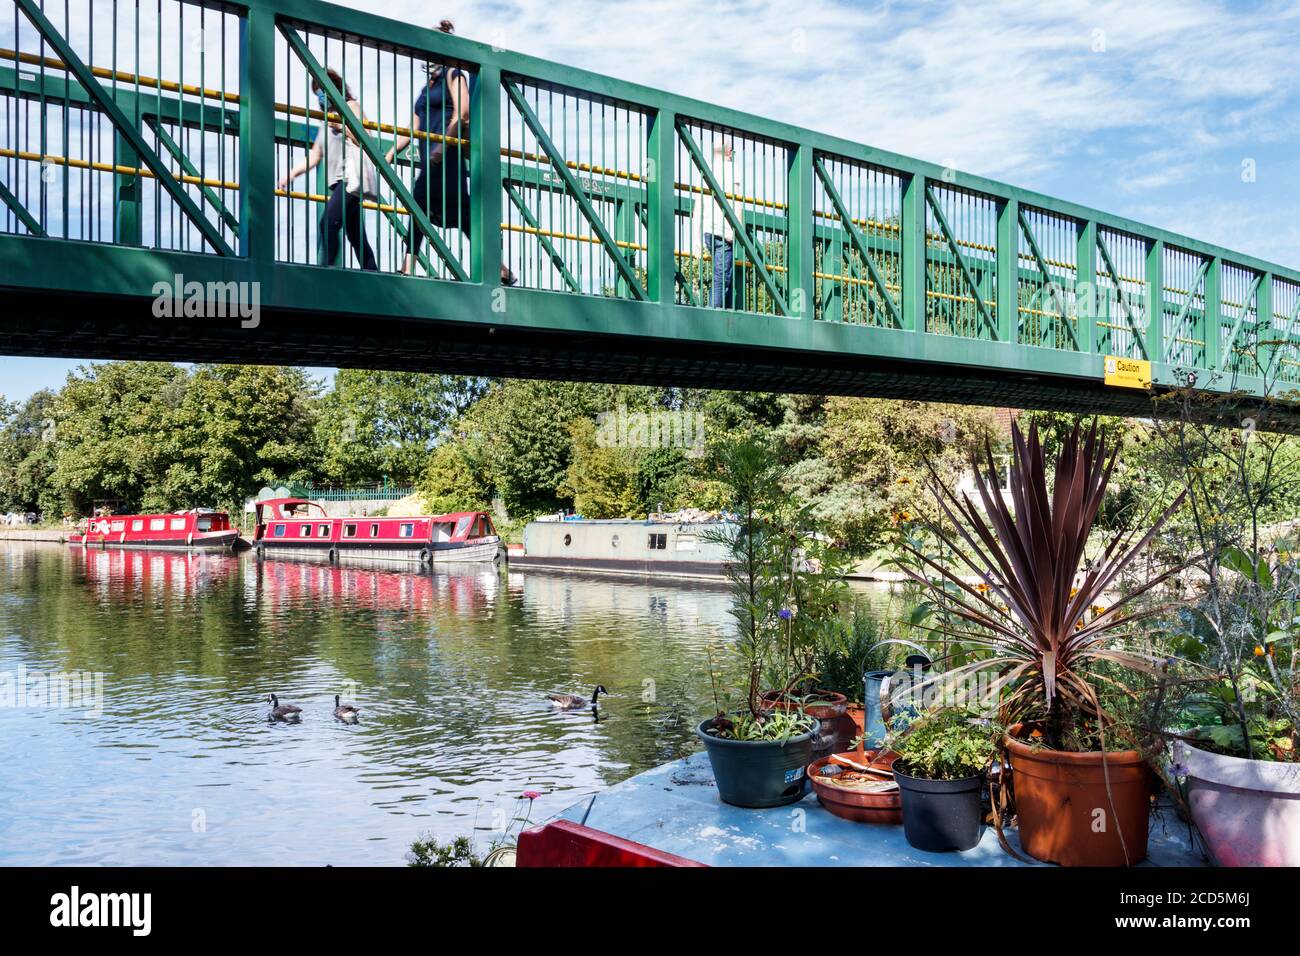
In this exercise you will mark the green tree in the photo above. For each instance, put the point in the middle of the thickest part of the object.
(450, 484)
(26, 451)
(238, 428)
(375, 424)
(113, 434)
(602, 480)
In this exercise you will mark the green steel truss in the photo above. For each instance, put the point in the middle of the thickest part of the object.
(1037, 322)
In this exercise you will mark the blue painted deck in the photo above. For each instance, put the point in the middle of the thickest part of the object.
(675, 808)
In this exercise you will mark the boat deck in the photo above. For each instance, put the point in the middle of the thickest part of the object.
(675, 808)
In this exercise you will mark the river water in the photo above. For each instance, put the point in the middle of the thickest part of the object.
(174, 761)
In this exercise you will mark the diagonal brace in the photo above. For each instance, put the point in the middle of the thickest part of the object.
(108, 106)
(933, 200)
(548, 247)
(1122, 295)
(1252, 296)
(1047, 276)
(373, 152)
(193, 172)
(575, 190)
(855, 236)
(1186, 307)
(738, 227)
(21, 211)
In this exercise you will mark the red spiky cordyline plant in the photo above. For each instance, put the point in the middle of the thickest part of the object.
(1030, 627)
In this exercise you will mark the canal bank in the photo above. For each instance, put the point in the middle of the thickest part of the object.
(46, 535)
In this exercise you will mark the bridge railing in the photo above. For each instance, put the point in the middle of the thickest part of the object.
(177, 126)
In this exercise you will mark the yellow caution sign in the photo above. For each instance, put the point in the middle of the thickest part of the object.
(1127, 372)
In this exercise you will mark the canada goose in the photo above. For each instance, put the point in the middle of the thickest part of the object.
(574, 702)
(346, 712)
(281, 711)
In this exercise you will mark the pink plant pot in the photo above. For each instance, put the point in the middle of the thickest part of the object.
(1248, 811)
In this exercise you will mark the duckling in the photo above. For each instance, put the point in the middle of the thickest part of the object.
(281, 711)
(574, 702)
(346, 712)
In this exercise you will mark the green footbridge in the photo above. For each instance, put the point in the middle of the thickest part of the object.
(562, 224)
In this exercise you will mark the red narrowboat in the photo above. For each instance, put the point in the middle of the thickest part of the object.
(199, 529)
(302, 527)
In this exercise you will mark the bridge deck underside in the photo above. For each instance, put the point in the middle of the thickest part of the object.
(107, 327)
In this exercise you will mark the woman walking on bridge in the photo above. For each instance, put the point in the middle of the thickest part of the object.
(350, 178)
(440, 119)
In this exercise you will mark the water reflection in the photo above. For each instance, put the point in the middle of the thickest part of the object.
(451, 670)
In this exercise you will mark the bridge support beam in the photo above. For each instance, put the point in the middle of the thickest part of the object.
(661, 235)
(801, 284)
(1008, 299)
(913, 253)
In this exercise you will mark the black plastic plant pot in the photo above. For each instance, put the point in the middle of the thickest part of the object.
(760, 773)
(940, 815)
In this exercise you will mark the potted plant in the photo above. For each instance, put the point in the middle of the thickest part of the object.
(1236, 754)
(1239, 771)
(757, 749)
(1034, 629)
(943, 758)
(758, 760)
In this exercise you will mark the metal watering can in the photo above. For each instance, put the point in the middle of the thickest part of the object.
(877, 691)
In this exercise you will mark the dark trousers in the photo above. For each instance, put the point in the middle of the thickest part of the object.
(343, 212)
(722, 291)
(441, 190)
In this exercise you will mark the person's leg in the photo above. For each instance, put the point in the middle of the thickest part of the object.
(331, 224)
(357, 234)
(720, 292)
(419, 192)
(715, 291)
(727, 256)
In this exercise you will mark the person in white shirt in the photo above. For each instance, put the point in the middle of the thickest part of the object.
(350, 175)
(713, 227)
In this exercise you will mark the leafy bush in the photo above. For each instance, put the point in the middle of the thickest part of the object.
(429, 852)
(773, 725)
(946, 744)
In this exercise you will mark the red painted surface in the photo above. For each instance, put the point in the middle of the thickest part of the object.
(199, 529)
(297, 522)
(564, 843)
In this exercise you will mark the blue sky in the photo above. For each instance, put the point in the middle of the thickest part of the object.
(1179, 113)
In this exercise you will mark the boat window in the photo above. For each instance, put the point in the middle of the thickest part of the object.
(407, 530)
(157, 524)
(568, 540)
(324, 531)
(304, 531)
(374, 531)
(442, 531)
(686, 542)
(658, 542)
(205, 524)
(349, 531)
(480, 526)
(137, 524)
(178, 524)
(119, 525)
(279, 531)
(462, 526)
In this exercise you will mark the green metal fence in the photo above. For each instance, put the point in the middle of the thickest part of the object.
(175, 127)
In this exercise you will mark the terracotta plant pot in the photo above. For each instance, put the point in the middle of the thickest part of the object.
(1065, 812)
(1248, 811)
(828, 708)
(825, 705)
(859, 807)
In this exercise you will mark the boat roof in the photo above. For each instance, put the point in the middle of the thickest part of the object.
(450, 516)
